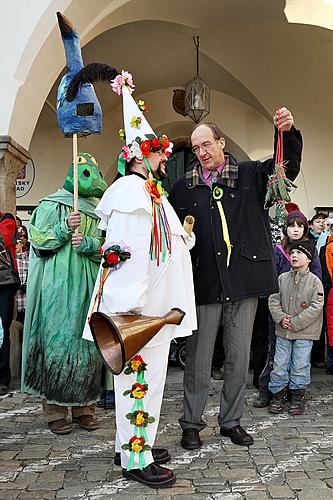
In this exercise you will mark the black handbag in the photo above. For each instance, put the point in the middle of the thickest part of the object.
(8, 274)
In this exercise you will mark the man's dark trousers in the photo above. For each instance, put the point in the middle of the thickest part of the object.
(237, 322)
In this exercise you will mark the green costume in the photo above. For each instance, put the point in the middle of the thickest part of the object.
(58, 364)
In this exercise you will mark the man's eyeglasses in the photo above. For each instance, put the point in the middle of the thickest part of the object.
(206, 146)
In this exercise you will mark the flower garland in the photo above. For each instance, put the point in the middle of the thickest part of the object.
(138, 417)
(140, 148)
(114, 255)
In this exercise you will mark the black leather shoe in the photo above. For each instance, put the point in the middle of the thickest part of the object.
(237, 435)
(153, 476)
(4, 389)
(191, 439)
(160, 456)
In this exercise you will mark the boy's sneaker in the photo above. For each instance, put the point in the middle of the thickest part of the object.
(297, 405)
(278, 401)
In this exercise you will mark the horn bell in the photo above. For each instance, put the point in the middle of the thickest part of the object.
(120, 336)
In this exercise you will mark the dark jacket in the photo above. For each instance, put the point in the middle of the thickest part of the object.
(327, 280)
(252, 270)
(283, 264)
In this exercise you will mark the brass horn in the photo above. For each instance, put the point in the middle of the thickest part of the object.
(120, 336)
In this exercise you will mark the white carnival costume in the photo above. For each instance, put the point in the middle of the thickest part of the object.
(139, 220)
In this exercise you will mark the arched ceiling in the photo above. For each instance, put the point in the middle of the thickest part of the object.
(249, 51)
(156, 66)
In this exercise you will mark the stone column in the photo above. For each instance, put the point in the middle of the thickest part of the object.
(13, 158)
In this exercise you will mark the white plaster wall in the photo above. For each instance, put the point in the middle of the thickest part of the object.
(19, 45)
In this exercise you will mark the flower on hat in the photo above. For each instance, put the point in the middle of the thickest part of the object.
(155, 143)
(145, 147)
(136, 150)
(135, 122)
(142, 106)
(126, 153)
(121, 80)
(122, 135)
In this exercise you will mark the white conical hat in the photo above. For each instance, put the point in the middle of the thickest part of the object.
(140, 137)
(132, 112)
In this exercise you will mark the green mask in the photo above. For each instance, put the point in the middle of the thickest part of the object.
(91, 180)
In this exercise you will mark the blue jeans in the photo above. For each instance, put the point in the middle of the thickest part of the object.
(291, 364)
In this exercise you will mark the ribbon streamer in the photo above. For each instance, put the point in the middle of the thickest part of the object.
(225, 230)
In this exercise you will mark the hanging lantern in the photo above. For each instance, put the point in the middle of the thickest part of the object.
(197, 94)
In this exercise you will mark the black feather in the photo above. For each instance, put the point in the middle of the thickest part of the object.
(94, 72)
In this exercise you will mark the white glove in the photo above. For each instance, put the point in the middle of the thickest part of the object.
(189, 240)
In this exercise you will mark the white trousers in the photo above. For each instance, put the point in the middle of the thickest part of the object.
(156, 359)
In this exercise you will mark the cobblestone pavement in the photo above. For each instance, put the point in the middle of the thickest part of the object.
(292, 457)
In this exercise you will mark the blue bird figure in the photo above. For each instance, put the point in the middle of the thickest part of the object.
(78, 109)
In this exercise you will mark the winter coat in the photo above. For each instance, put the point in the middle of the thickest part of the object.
(326, 253)
(327, 279)
(301, 295)
(252, 270)
(8, 234)
(283, 264)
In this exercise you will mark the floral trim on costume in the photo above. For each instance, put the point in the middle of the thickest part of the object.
(155, 190)
(138, 417)
(138, 391)
(137, 445)
(135, 365)
(160, 243)
(114, 256)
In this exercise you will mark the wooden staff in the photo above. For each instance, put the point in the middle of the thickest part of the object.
(75, 176)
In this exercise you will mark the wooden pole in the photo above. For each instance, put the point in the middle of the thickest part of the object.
(75, 176)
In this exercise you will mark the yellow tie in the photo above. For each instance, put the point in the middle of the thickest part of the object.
(217, 195)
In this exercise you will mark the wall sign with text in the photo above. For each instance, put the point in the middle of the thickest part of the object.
(25, 179)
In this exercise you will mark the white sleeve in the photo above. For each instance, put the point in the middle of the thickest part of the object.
(126, 288)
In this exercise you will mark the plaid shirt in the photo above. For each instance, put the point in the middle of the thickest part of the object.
(228, 177)
(22, 259)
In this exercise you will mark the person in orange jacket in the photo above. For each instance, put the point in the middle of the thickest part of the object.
(326, 259)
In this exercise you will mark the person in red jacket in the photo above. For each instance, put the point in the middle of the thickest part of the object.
(9, 283)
